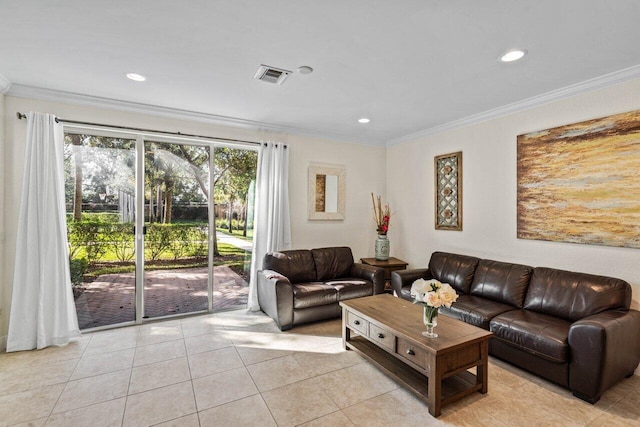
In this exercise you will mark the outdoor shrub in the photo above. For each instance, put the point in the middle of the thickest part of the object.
(121, 240)
(88, 236)
(73, 240)
(235, 224)
(104, 217)
(179, 240)
(198, 241)
(157, 240)
(77, 267)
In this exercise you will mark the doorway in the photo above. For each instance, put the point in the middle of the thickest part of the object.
(188, 251)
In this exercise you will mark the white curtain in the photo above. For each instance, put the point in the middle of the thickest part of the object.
(42, 308)
(272, 228)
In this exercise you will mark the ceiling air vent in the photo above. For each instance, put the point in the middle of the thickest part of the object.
(271, 74)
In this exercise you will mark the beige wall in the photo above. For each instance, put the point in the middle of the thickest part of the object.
(365, 172)
(489, 190)
(3, 304)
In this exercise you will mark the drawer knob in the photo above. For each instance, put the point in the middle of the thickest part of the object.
(357, 322)
(410, 352)
(380, 336)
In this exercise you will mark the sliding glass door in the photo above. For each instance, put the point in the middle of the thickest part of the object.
(234, 193)
(100, 203)
(176, 238)
(157, 226)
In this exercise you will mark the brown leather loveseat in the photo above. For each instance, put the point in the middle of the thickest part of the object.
(574, 329)
(300, 286)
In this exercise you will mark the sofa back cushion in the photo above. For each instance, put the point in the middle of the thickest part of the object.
(456, 270)
(296, 265)
(332, 263)
(501, 281)
(573, 296)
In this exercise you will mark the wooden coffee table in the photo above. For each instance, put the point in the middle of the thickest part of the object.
(388, 332)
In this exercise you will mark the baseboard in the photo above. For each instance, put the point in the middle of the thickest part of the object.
(3, 344)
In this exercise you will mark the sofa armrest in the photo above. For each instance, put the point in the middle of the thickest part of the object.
(402, 278)
(605, 348)
(371, 273)
(275, 295)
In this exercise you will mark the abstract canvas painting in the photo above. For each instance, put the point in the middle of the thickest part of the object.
(580, 183)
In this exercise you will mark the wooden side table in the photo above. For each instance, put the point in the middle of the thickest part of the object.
(392, 264)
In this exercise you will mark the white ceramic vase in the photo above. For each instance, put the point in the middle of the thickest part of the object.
(382, 247)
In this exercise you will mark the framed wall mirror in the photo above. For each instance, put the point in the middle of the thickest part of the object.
(326, 194)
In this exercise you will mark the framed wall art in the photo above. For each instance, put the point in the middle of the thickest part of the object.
(579, 183)
(326, 192)
(448, 189)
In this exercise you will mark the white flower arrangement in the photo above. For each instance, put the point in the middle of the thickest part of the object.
(432, 294)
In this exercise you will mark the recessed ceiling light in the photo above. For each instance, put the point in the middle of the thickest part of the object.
(363, 120)
(513, 55)
(305, 69)
(136, 77)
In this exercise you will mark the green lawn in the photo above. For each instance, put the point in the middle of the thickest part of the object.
(236, 259)
(237, 233)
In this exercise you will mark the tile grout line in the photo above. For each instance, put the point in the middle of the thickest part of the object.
(193, 390)
(126, 395)
(66, 383)
(256, 385)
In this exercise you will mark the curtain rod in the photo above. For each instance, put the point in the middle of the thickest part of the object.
(75, 122)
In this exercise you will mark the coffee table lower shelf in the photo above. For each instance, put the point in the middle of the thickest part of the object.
(453, 388)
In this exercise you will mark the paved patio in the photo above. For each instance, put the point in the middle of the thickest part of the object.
(111, 298)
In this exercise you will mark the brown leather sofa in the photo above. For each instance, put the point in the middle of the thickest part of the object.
(300, 286)
(574, 329)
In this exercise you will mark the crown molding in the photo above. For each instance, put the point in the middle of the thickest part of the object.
(526, 104)
(5, 84)
(586, 86)
(32, 92)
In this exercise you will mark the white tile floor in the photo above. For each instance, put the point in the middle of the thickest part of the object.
(238, 369)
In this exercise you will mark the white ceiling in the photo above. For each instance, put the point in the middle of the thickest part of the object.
(408, 65)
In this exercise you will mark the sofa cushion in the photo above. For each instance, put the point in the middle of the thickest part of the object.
(546, 336)
(297, 265)
(351, 287)
(501, 281)
(573, 296)
(456, 270)
(311, 294)
(475, 310)
(332, 263)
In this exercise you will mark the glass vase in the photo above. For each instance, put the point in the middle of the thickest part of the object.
(430, 318)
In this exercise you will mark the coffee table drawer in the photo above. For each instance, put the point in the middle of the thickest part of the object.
(357, 323)
(412, 353)
(382, 336)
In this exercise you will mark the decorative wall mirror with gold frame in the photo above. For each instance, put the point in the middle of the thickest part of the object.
(326, 194)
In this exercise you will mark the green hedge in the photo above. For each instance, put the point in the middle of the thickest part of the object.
(177, 240)
(106, 217)
(92, 240)
(235, 224)
(88, 238)
(77, 268)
